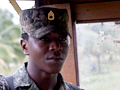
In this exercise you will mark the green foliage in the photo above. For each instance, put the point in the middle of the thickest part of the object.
(5, 19)
(10, 50)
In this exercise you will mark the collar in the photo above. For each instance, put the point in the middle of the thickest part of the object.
(21, 77)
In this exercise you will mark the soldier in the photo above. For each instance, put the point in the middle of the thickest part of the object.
(44, 33)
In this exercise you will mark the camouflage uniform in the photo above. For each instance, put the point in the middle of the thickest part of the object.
(3, 83)
(22, 81)
(38, 22)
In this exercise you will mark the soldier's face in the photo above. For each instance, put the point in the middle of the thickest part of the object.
(49, 52)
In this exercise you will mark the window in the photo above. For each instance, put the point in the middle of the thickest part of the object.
(99, 55)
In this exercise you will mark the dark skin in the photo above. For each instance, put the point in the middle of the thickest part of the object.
(46, 58)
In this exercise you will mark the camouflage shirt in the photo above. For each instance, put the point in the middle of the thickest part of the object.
(22, 80)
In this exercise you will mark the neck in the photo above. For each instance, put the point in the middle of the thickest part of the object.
(43, 79)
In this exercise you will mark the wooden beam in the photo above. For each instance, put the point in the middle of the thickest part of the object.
(89, 12)
(38, 3)
(75, 53)
(25, 0)
(15, 6)
(73, 1)
(96, 12)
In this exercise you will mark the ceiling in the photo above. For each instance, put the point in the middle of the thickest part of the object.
(46, 2)
(88, 10)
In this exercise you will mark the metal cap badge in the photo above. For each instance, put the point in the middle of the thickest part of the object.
(51, 15)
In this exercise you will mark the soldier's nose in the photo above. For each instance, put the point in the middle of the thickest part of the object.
(55, 46)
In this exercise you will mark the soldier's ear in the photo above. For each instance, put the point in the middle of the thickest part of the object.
(24, 46)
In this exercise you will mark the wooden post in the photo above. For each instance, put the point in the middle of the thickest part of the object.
(37, 3)
(15, 5)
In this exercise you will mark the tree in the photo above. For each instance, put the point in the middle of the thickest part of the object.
(10, 50)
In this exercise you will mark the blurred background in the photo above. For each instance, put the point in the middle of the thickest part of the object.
(11, 55)
(99, 55)
(98, 49)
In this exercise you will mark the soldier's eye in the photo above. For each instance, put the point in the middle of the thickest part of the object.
(63, 38)
(44, 39)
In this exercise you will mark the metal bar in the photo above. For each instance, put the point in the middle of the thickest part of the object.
(15, 5)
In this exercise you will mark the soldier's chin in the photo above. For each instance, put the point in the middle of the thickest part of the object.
(55, 71)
